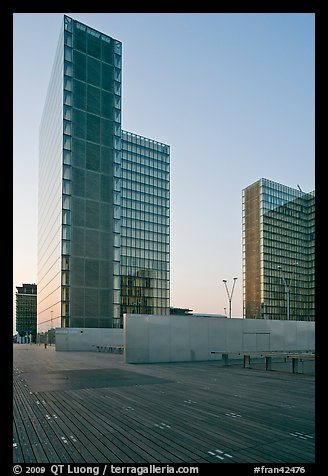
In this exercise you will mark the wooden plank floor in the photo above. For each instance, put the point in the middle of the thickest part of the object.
(77, 407)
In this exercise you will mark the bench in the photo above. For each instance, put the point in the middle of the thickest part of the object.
(114, 349)
(295, 356)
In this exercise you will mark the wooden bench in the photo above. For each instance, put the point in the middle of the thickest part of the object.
(295, 356)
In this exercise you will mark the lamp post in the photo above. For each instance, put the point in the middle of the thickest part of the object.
(230, 295)
(287, 291)
(51, 331)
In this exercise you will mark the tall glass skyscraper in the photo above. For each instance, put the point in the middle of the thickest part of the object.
(145, 226)
(103, 194)
(278, 252)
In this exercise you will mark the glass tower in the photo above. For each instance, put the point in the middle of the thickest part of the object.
(80, 185)
(145, 226)
(278, 252)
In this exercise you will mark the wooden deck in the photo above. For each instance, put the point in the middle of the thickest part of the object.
(78, 407)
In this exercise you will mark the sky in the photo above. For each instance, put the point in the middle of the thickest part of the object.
(231, 93)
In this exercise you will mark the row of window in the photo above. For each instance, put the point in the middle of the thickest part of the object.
(133, 282)
(274, 188)
(143, 235)
(287, 242)
(286, 215)
(280, 220)
(134, 263)
(145, 156)
(26, 313)
(283, 256)
(273, 300)
(298, 207)
(299, 265)
(273, 233)
(137, 140)
(146, 185)
(142, 303)
(145, 166)
(143, 292)
(279, 291)
(150, 245)
(295, 281)
(145, 226)
(142, 271)
(144, 194)
(142, 253)
(135, 200)
(160, 217)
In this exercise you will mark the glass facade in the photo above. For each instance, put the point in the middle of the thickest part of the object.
(81, 182)
(145, 226)
(278, 252)
(91, 151)
(50, 198)
(26, 310)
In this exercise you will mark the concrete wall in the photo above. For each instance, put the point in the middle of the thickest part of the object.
(189, 338)
(87, 339)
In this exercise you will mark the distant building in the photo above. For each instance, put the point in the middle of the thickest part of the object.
(26, 315)
(209, 315)
(104, 194)
(278, 252)
(177, 311)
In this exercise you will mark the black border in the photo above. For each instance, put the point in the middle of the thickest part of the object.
(7, 9)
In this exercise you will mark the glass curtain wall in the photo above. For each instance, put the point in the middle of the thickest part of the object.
(79, 192)
(50, 199)
(91, 178)
(145, 226)
(278, 252)
(104, 195)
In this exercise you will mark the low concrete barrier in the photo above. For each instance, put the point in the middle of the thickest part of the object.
(150, 338)
(88, 339)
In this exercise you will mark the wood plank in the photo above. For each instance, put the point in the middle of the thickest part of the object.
(190, 412)
(39, 428)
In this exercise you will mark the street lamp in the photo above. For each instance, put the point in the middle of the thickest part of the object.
(51, 331)
(287, 291)
(230, 295)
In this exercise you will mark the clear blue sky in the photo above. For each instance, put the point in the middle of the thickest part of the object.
(233, 95)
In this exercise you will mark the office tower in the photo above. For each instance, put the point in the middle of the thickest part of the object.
(145, 226)
(278, 252)
(81, 203)
(26, 322)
